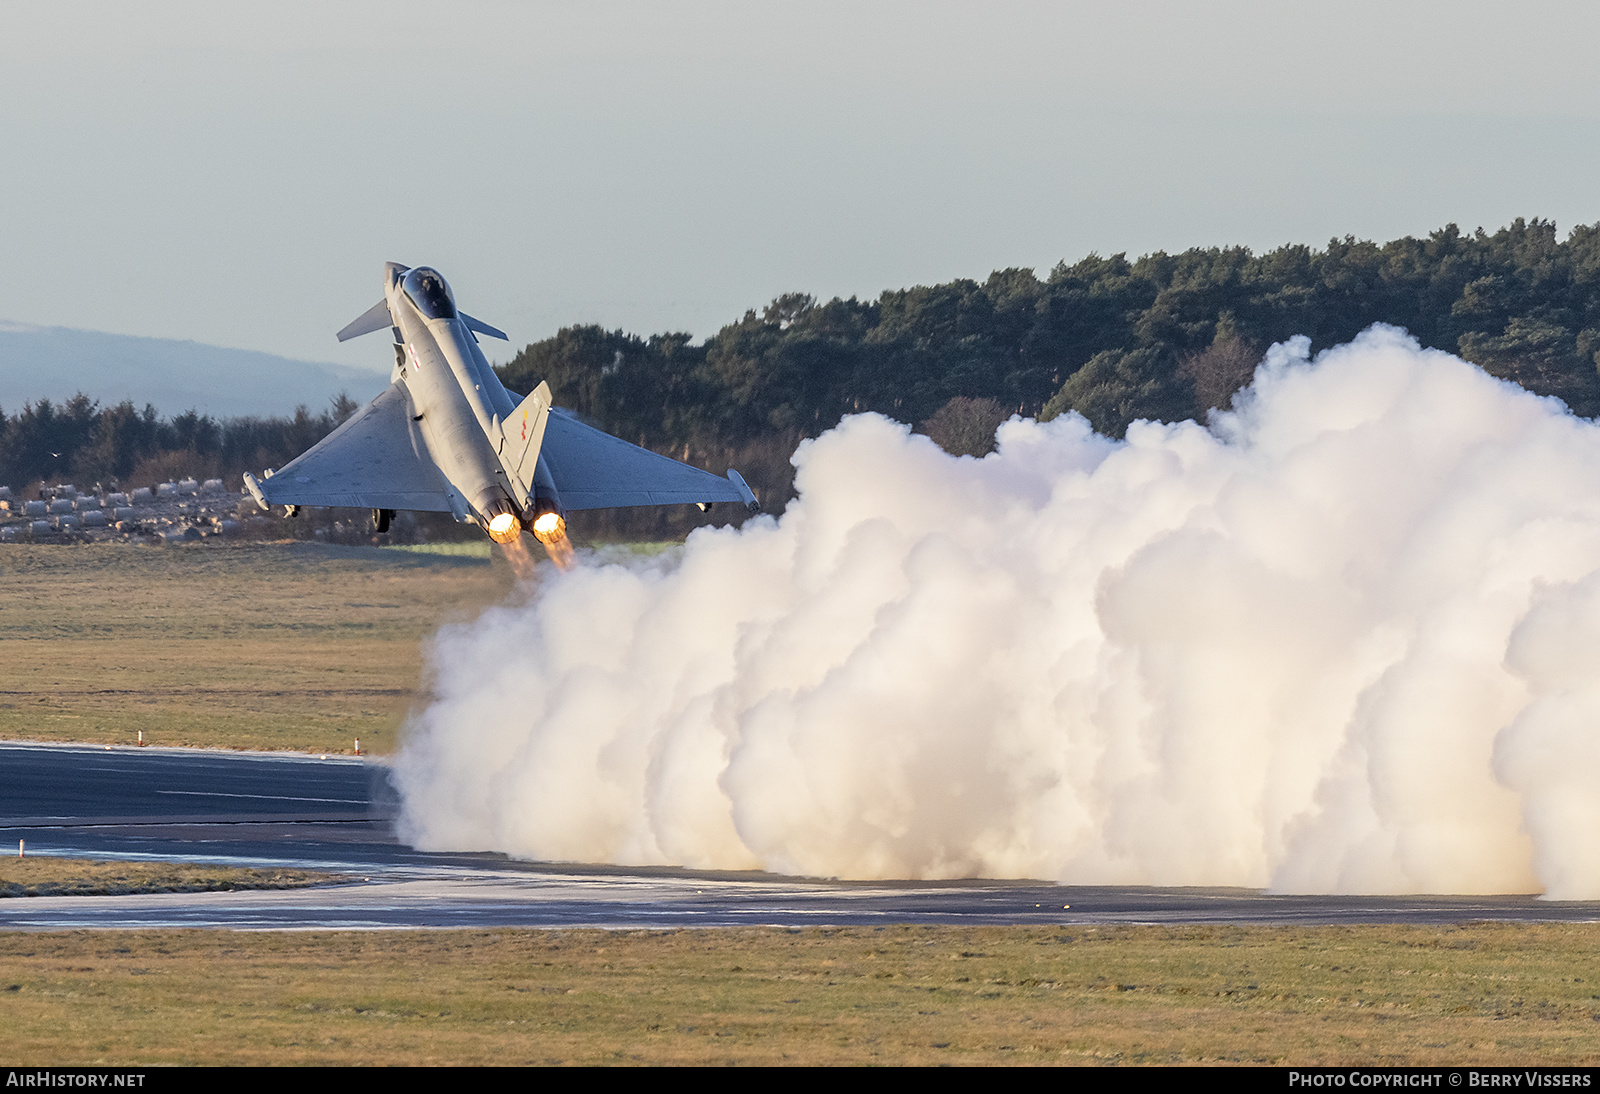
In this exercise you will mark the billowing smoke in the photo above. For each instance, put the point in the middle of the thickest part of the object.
(1347, 639)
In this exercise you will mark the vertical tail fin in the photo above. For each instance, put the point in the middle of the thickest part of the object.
(521, 437)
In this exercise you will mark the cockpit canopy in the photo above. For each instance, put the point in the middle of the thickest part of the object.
(429, 293)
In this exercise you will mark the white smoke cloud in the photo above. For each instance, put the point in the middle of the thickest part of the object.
(1345, 640)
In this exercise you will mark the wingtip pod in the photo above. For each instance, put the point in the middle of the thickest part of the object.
(252, 485)
(745, 492)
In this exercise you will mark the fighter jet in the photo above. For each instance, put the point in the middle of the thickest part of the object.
(445, 436)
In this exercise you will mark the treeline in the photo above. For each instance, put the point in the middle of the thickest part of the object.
(1166, 336)
(118, 446)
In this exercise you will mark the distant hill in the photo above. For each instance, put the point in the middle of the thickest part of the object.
(57, 362)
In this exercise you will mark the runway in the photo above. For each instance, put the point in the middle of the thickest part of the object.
(336, 814)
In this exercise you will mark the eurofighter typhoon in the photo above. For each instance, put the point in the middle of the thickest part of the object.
(446, 437)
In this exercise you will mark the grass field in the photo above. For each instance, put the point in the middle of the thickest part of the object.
(1480, 994)
(48, 876)
(247, 645)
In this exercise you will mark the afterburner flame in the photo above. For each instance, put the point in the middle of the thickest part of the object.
(503, 528)
(550, 529)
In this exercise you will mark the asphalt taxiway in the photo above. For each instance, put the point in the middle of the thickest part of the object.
(337, 814)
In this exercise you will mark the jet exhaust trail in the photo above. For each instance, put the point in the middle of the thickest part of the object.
(551, 530)
(519, 558)
(1342, 640)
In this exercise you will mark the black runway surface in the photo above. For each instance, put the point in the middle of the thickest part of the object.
(337, 814)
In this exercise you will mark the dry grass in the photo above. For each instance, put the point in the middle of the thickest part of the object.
(249, 645)
(48, 876)
(1480, 994)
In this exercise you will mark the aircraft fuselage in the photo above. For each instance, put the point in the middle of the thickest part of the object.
(456, 401)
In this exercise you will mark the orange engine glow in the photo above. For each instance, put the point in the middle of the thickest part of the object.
(551, 530)
(503, 528)
(549, 526)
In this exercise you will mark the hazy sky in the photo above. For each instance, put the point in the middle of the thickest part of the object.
(238, 174)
